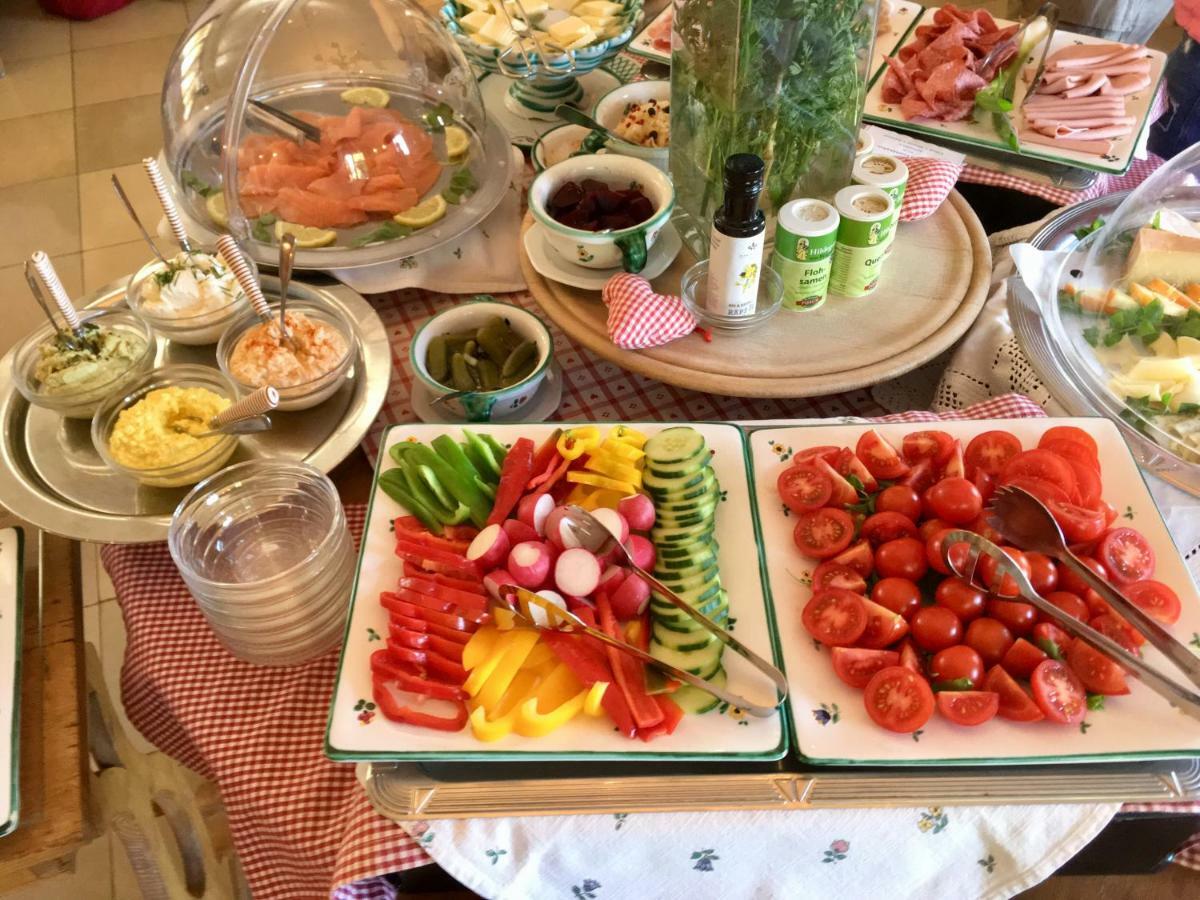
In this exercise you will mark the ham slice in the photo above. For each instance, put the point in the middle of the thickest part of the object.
(1098, 148)
(1123, 85)
(1080, 121)
(1074, 130)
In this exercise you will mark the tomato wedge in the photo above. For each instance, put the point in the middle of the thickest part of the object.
(803, 488)
(1078, 524)
(835, 617)
(1059, 693)
(955, 467)
(833, 574)
(823, 533)
(1046, 491)
(884, 627)
(827, 453)
(887, 526)
(910, 658)
(968, 707)
(848, 464)
(1015, 704)
(1156, 600)
(935, 445)
(1099, 674)
(1072, 434)
(859, 558)
(1127, 555)
(1022, 658)
(920, 477)
(1041, 464)
(990, 452)
(1117, 629)
(844, 493)
(856, 665)
(880, 457)
(898, 699)
(1051, 639)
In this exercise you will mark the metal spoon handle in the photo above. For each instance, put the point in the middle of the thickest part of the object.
(258, 403)
(58, 293)
(35, 288)
(232, 254)
(287, 257)
(170, 210)
(116, 183)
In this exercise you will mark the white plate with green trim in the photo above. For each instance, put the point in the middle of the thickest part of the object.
(829, 720)
(12, 561)
(357, 731)
(643, 42)
(900, 21)
(980, 133)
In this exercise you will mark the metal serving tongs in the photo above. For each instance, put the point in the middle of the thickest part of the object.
(1049, 12)
(1185, 699)
(553, 57)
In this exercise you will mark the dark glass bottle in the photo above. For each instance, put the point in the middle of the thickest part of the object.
(736, 243)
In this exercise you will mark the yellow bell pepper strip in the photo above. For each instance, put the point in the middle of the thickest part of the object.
(630, 436)
(483, 671)
(490, 730)
(492, 689)
(602, 499)
(577, 441)
(557, 688)
(532, 723)
(481, 645)
(593, 703)
(539, 656)
(612, 467)
(601, 481)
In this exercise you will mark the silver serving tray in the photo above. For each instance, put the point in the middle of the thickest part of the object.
(52, 477)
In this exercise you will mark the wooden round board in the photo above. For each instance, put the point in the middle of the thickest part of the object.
(933, 286)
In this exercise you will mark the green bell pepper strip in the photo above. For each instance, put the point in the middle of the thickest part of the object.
(430, 479)
(488, 490)
(419, 489)
(498, 449)
(393, 484)
(481, 457)
(457, 477)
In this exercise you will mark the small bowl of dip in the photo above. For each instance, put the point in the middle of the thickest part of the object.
(191, 299)
(149, 432)
(309, 372)
(73, 377)
(639, 113)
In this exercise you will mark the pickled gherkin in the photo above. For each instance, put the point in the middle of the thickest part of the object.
(491, 357)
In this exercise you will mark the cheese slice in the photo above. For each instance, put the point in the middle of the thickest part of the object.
(564, 5)
(588, 37)
(479, 5)
(1175, 258)
(497, 31)
(532, 8)
(1126, 387)
(475, 20)
(569, 29)
(599, 22)
(598, 8)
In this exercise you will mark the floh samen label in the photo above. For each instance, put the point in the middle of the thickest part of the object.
(804, 240)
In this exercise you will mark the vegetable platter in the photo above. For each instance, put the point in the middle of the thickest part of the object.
(458, 513)
(1099, 498)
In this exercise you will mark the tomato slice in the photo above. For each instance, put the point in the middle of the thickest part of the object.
(1059, 693)
(910, 658)
(1077, 523)
(920, 477)
(848, 464)
(1155, 599)
(955, 467)
(833, 574)
(990, 452)
(856, 665)
(884, 627)
(887, 526)
(968, 707)
(1072, 434)
(1073, 451)
(860, 558)
(812, 454)
(835, 617)
(1022, 658)
(1015, 704)
(880, 457)
(935, 445)
(1099, 674)
(898, 699)
(1115, 628)
(823, 533)
(1127, 555)
(1041, 464)
(844, 493)
(1046, 491)
(1087, 483)
(803, 488)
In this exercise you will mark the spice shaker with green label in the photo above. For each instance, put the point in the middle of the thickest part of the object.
(862, 237)
(804, 237)
(887, 173)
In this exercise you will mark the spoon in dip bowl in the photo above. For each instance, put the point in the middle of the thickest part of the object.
(246, 416)
(232, 254)
(58, 293)
(170, 210)
(287, 256)
(35, 288)
(116, 183)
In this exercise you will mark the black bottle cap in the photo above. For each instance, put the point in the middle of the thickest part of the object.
(743, 183)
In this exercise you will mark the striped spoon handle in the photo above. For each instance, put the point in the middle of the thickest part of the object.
(170, 210)
(58, 293)
(258, 403)
(232, 254)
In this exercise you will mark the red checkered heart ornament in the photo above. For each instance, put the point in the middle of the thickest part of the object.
(929, 184)
(639, 318)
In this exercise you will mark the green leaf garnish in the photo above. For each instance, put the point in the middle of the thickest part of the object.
(388, 231)
(261, 229)
(957, 684)
(191, 180)
(1095, 701)
(437, 118)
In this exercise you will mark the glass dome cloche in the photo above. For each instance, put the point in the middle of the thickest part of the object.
(355, 124)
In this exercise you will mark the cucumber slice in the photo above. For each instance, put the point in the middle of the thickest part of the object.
(698, 596)
(703, 556)
(687, 623)
(705, 514)
(674, 551)
(706, 659)
(680, 580)
(694, 701)
(680, 507)
(683, 641)
(662, 534)
(690, 486)
(668, 481)
(674, 446)
(709, 605)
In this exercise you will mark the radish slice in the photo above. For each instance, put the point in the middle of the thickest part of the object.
(577, 572)
(519, 531)
(538, 614)
(638, 510)
(529, 564)
(532, 511)
(559, 532)
(642, 551)
(497, 579)
(614, 522)
(489, 547)
(611, 579)
(630, 600)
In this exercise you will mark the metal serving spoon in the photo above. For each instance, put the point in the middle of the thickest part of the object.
(116, 183)
(287, 257)
(39, 295)
(246, 416)
(578, 117)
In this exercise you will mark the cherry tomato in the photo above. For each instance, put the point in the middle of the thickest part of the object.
(848, 464)
(1022, 658)
(858, 557)
(884, 627)
(842, 492)
(1041, 464)
(1059, 693)
(832, 574)
(835, 617)
(1015, 704)
(985, 483)
(956, 663)
(856, 665)
(1071, 604)
(898, 699)
(887, 526)
(920, 477)
(1069, 581)
(931, 527)
(900, 499)
(900, 595)
(910, 658)
(983, 528)
(933, 553)
(1051, 639)
(823, 533)
(1077, 524)
(1117, 629)
(1043, 490)
(803, 488)
(1070, 433)
(955, 500)
(935, 445)
(1005, 586)
(990, 452)
(827, 453)
(1099, 674)
(935, 628)
(1155, 599)
(1018, 617)
(879, 456)
(1042, 572)
(1127, 556)
(989, 638)
(902, 558)
(968, 707)
(965, 601)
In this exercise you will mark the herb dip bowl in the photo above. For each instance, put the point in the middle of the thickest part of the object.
(194, 330)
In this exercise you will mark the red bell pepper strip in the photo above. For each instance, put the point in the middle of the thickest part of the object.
(552, 478)
(382, 663)
(672, 716)
(437, 604)
(406, 637)
(449, 558)
(515, 472)
(384, 689)
(411, 570)
(394, 604)
(464, 569)
(433, 663)
(465, 599)
(547, 454)
(585, 658)
(411, 528)
(423, 640)
(644, 632)
(398, 622)
(629, 672)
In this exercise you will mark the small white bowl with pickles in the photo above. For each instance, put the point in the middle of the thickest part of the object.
(449, 354)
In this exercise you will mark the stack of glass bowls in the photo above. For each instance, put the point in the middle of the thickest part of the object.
(1099, 272)
(264, 549)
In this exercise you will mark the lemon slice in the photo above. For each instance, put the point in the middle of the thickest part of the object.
(457, 141)
(424, 213)
(367, 96)
(215, 204)
(306, 237)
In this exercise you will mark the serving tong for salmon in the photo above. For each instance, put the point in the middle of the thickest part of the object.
(291, 127)
(1009, 506)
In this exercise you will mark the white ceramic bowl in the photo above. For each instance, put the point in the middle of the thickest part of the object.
(610, 110)
(557, 144)
(483, 406)
(604, 249)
